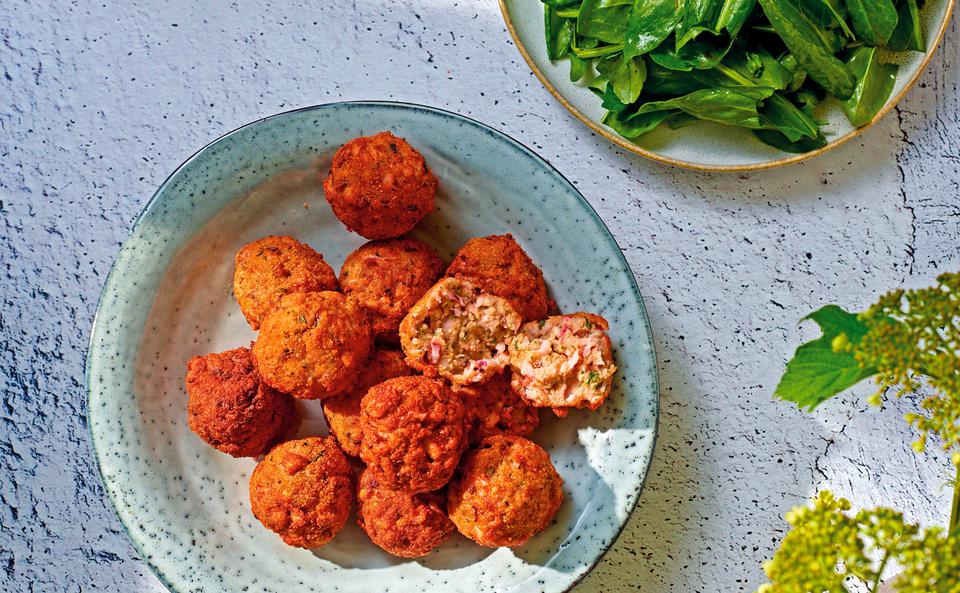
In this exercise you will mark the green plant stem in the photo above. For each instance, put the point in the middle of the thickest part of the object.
(883, 564)
(734, 75)
(597, 51)
(570, 13)
(955, 513)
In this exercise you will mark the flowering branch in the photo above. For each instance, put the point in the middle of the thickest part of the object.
(907, 337)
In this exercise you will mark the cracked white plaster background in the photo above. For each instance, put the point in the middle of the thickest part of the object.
(103, 100)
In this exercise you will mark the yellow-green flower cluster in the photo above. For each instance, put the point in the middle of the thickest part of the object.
(931, 564)
(912, 333)
(831, 550)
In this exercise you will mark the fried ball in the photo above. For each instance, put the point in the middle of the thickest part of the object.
(272, 267)
(493, 408)
(505, 491)
(379, 186)
(387, 278)
(313, 344)
(343, 411)
(231, 409)
(459, 332)
(413, 433)
(563, 361)
(498, 265)
(303, 491)
(406, 525)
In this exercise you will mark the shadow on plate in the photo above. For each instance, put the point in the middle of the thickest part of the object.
(352, 549)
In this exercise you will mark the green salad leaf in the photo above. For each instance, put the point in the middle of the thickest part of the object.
(650, 23)
(736, 106)
(907, 35)
(701, 54)
(626, 76)
(761, 65)
(779, 140)
(664, 82)
(604, 20)
(873, 20)
(758, 68)
(578, 68)
(812, 46)
(697, 17)
(559, 32)
(788, 119)
(825, 14)
(874, 85)
(637, 125)
(734, 14)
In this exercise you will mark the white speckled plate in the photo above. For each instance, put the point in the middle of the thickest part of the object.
(185, 506)
(706, 146)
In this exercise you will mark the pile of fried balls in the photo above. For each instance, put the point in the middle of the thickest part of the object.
(430, 378)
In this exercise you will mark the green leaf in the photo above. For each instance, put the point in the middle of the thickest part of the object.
(637, 125)
(873, 20)
(776, 139)
(758, 68)
(605, 20)
(789, 61)
(806, 99)
(701, 54)
(651, 21)
(610, 100)
(719, 64)
(907, 35)
(698, 17)
(825, 14)
(663, 81)
(817, 372)
(753, 65)
(735, 106)
(711, 16)
(598, 85)
(578, 67)
(626, 77)
(788, 119)
(874, 84)
(733, 15)
(559, 32)
(810, 44)
(777, 112)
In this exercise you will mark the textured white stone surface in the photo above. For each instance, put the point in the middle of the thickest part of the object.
(100, 101)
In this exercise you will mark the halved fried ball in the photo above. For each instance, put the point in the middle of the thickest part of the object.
(563, 361)
(313, 344)
(379, 186)
(505, 491)
(493, 408)
(387, 278)
(459, 332)
(498, 265)
(413, 433)
(272, 267)
(406, 525)
(343, 411)
(231, 409)
(303, 491)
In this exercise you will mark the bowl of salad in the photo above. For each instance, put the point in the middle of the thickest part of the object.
(728, 85)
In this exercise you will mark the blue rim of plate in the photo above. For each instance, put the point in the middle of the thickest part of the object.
(402, 105)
